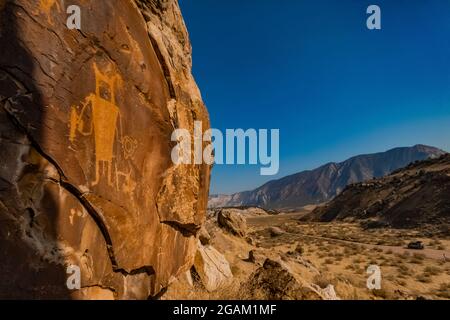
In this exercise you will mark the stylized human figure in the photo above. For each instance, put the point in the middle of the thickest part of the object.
(105, 114)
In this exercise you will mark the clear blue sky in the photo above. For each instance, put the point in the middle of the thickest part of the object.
(312, 69)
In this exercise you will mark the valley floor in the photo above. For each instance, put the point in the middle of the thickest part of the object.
(343, 251)
(333, 253)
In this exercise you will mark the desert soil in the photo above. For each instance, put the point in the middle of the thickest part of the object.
(335, 253)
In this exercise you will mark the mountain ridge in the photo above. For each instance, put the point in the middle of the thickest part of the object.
(326, 181)
(415, 196)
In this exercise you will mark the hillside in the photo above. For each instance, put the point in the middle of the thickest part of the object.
(324, 183)
(417, 195)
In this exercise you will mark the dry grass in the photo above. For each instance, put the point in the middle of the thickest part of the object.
(424, 278)
(381, 293)
(405, 274)
(432, 271)
(444, 290)
(417, 258)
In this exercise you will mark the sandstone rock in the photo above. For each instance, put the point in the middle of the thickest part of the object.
(250, 241)
(276, 232)
(257, 257)
(181, 287)
(212, 267)
(86, 176)
(275, 281)
(204, 236)
(232, 221)
(329, 293)
(186, 277)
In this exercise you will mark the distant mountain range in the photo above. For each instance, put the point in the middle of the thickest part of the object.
(324, 183)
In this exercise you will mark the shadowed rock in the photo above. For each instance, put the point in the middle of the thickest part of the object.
(86, 176)
(275, 281)
(232, 221)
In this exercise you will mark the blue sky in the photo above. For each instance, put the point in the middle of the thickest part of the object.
(312, 69)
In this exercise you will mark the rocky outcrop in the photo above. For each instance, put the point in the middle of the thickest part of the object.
(327, 293)
(232, 221)
(212, 268)
(86, 177)
(276, 281)
(413, 197)
(256, 256)
(276, 232)
(204, 236)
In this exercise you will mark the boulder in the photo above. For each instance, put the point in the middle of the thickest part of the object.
(86, 176)
(276, 232)
(329, 293)
(212, 267)
(204, 236)
(232, 221)
(276, 281)
(257, 257)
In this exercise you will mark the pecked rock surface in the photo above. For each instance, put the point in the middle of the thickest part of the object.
(86, 176)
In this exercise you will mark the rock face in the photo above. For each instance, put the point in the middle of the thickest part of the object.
(212, 267)
(232, 221)
(86, 176)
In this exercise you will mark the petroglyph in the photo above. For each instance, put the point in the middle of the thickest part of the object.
(129, 146)
(70, 124)
(106, 127)
(76, 213)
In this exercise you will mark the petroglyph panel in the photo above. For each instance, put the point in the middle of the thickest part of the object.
(93, 104)
(105, 127)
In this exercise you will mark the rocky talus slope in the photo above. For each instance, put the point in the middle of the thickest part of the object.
(232, 265)
(86, 177)
(414, 197)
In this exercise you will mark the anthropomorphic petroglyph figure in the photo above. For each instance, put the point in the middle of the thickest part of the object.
(105, 126)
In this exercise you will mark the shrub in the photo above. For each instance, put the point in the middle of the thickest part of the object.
(444, 290)
(433, 271)
(424, 278)
(381, 293)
